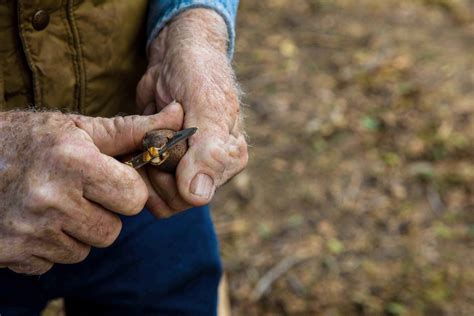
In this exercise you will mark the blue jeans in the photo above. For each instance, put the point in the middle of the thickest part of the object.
(156, 267)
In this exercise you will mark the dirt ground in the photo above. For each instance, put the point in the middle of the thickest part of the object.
(358, 199)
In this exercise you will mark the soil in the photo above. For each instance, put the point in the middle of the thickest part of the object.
(358, 198)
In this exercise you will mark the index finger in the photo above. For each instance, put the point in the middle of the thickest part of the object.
(114, 185)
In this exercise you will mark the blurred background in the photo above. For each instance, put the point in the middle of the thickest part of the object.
(358, 199)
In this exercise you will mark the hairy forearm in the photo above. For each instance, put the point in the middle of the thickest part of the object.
(197, 28)
(191, 53)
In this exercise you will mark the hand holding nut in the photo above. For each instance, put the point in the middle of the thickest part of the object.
(159, 138)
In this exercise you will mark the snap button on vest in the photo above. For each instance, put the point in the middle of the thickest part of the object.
(40, 20)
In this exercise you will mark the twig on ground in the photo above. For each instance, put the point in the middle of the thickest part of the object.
(266, 281)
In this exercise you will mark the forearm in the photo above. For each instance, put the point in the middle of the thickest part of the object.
(163, 11)
(196, 29)
(199, 63)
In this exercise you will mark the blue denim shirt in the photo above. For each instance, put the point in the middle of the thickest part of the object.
(161, 12)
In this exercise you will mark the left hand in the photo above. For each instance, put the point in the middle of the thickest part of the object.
(188, 63)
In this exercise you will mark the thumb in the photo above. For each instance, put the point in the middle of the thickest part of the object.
(124, 134)
(211, 160)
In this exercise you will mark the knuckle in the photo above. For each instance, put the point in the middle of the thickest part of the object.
(79, 254)
(68, 253)
(176, 203)
(159, 208)
(40, 198)
(62, 151)
(136, 199)
(217, 158)
(239, 155)
(107, 231)
(136, 208)
(144, 84)
(119, 124)
(141, 198)
(31, 267)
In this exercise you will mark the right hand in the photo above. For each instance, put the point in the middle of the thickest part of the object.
(60, 183)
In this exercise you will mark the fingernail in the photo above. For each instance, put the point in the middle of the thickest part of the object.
(202, 185)
(173, 106)
(172, 103)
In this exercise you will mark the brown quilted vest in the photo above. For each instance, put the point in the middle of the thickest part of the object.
(82, 56)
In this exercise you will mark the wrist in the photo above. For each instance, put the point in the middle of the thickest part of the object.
(193, 29)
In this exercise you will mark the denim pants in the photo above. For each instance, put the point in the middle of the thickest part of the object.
(155, 267)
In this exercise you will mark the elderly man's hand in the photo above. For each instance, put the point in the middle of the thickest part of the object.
(59, 183)
(188, 63)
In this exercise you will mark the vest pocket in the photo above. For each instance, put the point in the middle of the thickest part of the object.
(15, 82)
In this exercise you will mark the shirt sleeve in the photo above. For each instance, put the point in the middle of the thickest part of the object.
(161, 12)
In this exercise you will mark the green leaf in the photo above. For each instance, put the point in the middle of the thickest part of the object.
(370, 123)
(443, 231)
(264, 230)
(395, 308)
(335, 246)
(295, 220)
(391, 159)
(319, 145)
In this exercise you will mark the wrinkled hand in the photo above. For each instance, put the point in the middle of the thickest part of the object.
(188, 63)
(59, 184)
